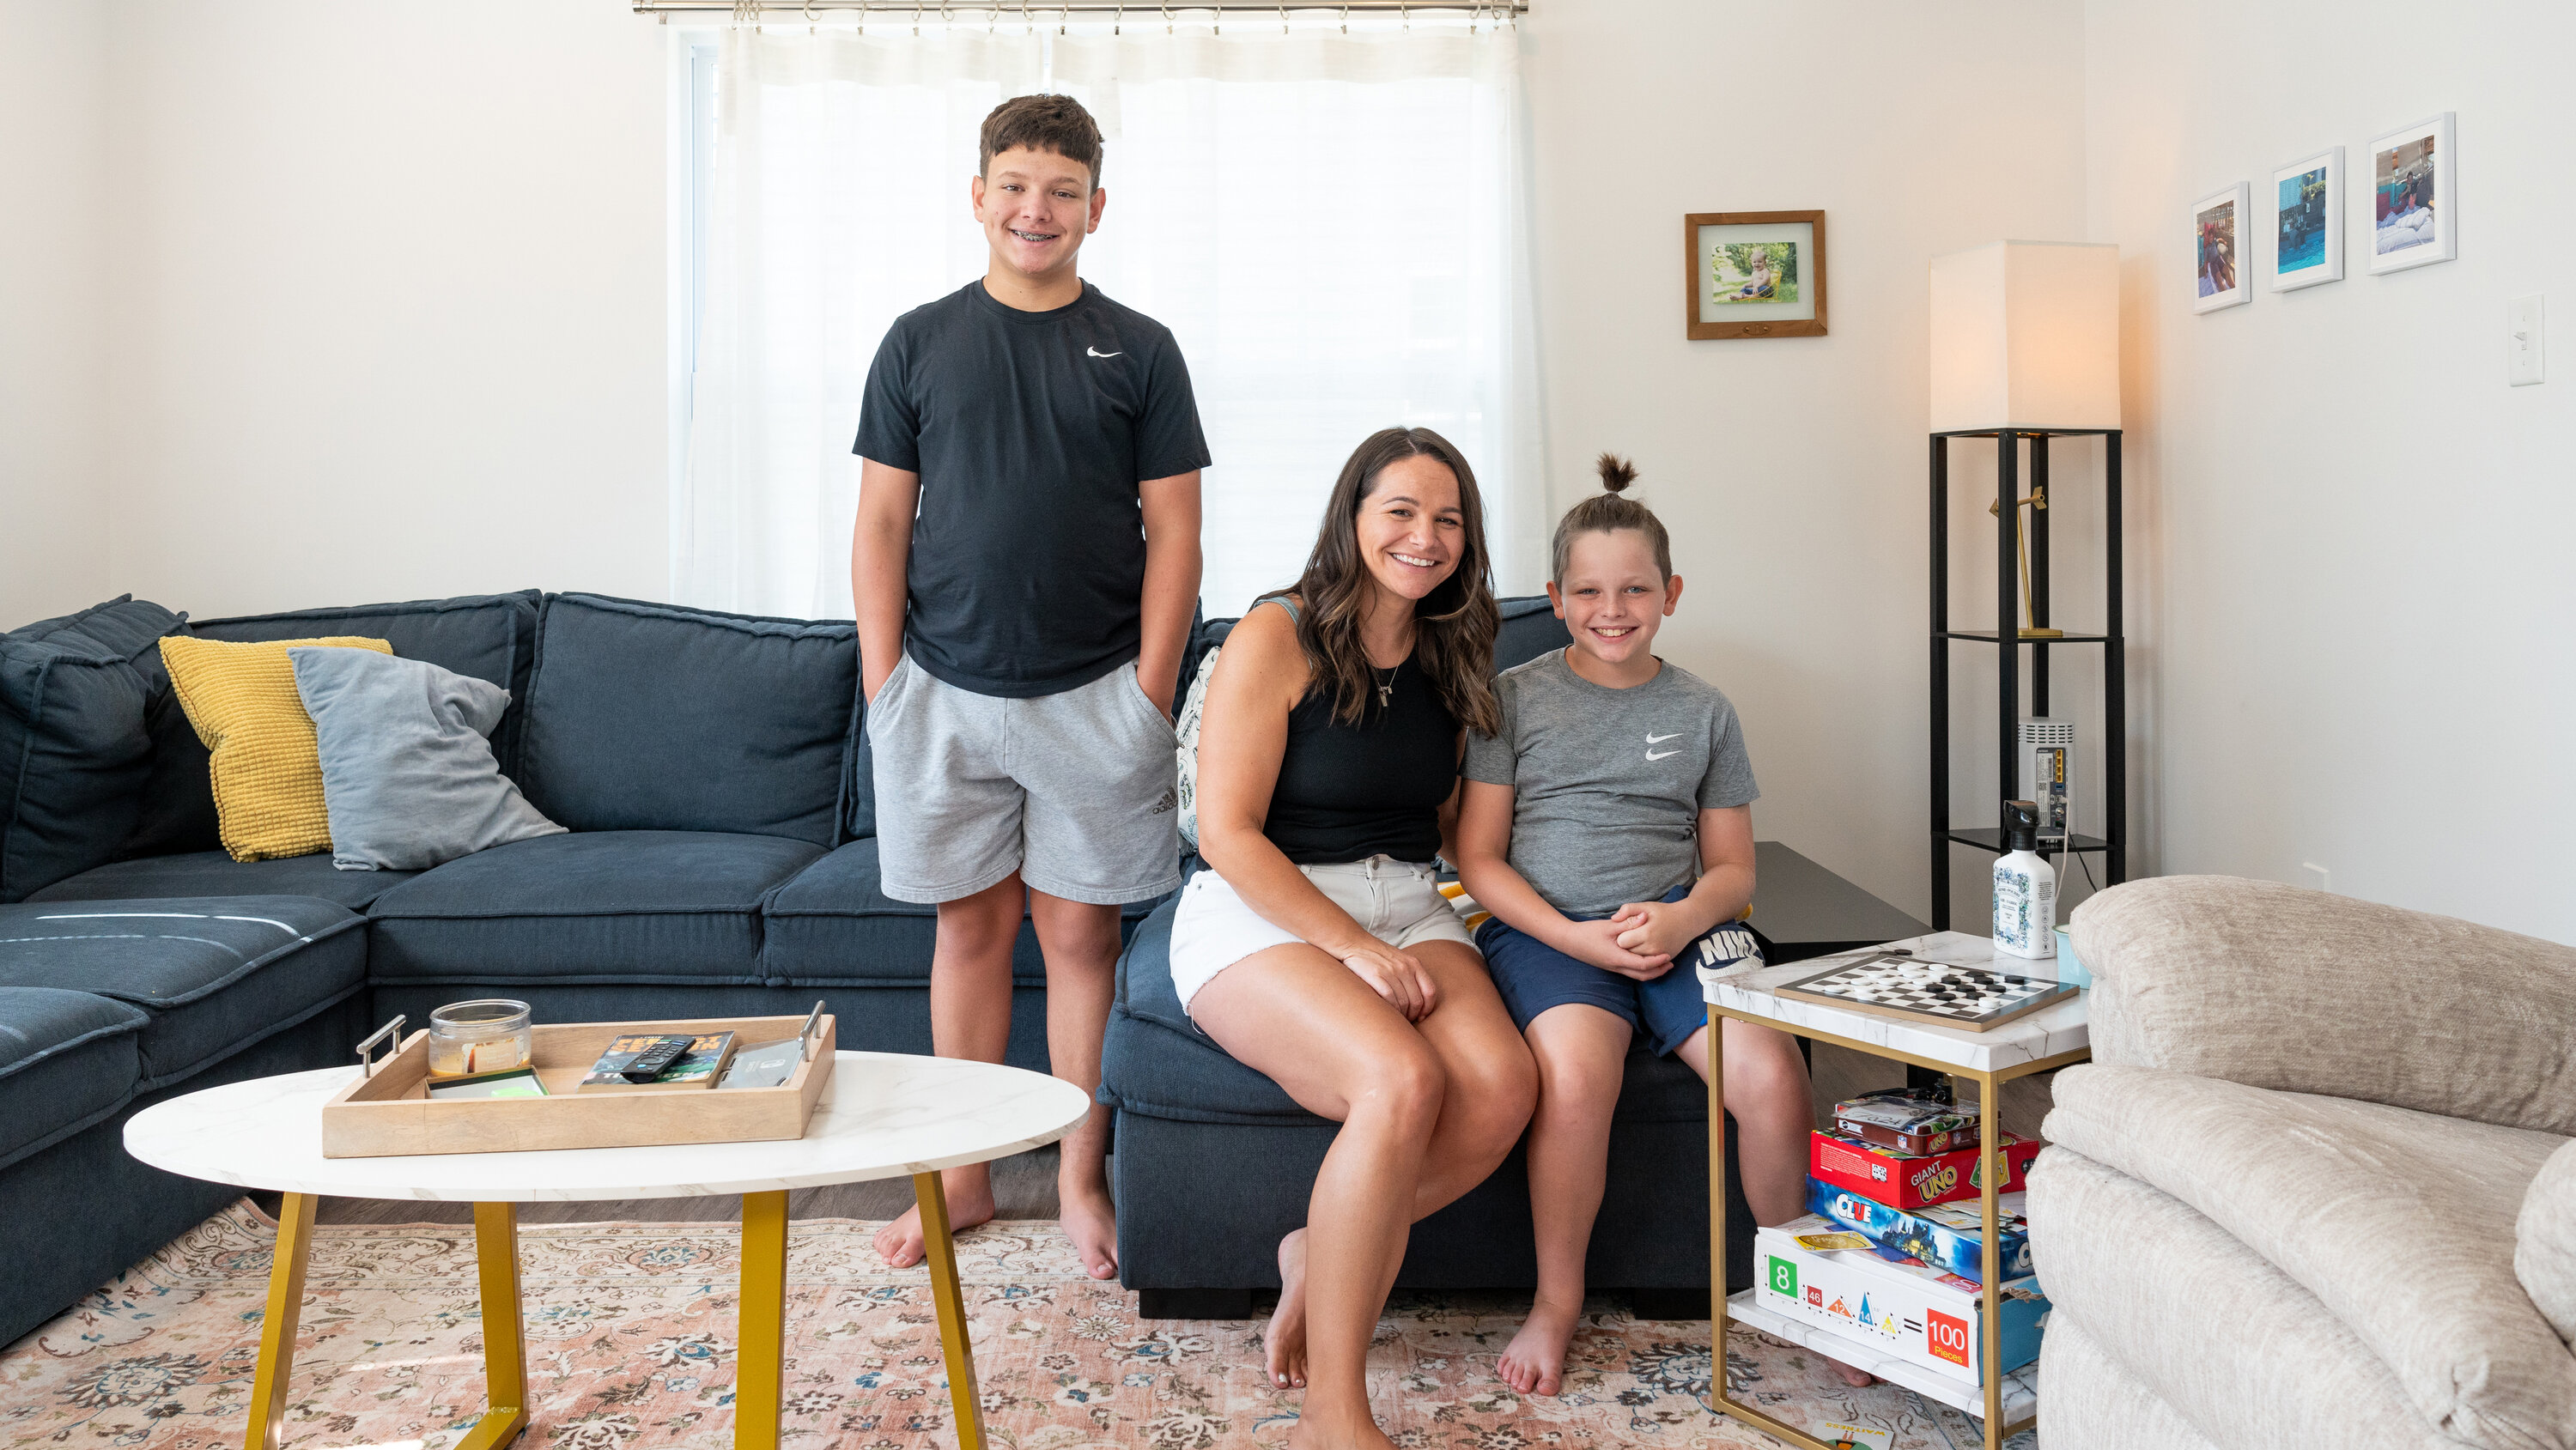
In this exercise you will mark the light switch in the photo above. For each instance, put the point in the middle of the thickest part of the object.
(2524, 334)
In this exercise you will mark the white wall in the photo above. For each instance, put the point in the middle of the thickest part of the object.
(1792, 471)
(2360, 594)
(388, 315)
(53, 271)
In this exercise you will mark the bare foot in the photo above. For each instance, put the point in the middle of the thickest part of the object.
(899, 1243)
(1284, 1342)
(1856, 1378)
(1091, 1221)
(1534, 1362)
(1324, 1432)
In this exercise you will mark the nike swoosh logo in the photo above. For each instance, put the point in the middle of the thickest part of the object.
(1660, 739)
(1095, 352)
(1658, 755)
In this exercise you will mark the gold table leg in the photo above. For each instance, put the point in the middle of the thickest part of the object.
(505, 1340)
(277, 1326)
(960, 1350)
(759, 1362)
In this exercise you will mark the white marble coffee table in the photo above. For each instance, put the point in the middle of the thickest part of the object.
(884, 1115)
(2052, 1037)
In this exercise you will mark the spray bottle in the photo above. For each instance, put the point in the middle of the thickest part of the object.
(2025, 888)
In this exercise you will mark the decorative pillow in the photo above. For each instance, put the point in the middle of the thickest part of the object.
(266, 766)
(408, 773)
(75, 693)
(2544, 1242)
(1186, 731)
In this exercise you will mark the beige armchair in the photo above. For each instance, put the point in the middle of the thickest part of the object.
(2316, 1187)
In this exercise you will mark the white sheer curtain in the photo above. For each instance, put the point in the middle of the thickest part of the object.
(1333, 226)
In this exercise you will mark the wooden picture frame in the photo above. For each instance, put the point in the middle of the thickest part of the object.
(1729, 289)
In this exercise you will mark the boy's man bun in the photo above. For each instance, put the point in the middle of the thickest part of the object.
(1605, 513)
(1043, 122)
(1616, 472)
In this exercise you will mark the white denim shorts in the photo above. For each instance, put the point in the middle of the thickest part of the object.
(1398, 902)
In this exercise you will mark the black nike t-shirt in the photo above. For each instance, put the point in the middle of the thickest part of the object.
(1030, 431)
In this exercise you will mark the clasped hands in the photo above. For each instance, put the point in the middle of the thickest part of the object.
(1639, 941)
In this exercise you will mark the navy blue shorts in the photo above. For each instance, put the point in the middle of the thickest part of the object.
(1533, 976)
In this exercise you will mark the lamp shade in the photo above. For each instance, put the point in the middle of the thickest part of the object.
(2026, 335)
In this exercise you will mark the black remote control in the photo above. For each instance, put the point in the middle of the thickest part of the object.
(656, 1059)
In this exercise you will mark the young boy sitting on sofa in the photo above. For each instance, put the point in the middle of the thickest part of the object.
(1609, 829)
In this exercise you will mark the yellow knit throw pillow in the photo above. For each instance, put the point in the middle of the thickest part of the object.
(267, 766)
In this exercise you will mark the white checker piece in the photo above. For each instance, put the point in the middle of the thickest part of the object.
(1974, 998)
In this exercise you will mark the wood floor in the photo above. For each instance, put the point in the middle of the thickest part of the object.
(1024, 1187)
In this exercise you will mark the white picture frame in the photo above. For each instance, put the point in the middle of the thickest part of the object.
(2217, 250)
(2305, 204)
(2406, 227)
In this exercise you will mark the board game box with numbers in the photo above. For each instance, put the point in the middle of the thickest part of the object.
(1969, 998)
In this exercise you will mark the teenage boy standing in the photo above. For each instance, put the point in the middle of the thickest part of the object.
(1025, 567)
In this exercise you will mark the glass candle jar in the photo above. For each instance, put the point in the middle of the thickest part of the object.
(487, 1036)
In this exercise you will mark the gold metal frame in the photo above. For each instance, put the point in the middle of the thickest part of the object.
(762, 1333)
(1990, 1187)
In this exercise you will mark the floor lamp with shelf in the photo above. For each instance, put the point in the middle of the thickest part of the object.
(2025, 349)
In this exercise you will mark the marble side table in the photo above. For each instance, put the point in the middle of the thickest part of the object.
(2052, 1037)
(884, 1114)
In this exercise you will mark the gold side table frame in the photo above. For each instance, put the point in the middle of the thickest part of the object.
(761, 1336)
(1990, 1179)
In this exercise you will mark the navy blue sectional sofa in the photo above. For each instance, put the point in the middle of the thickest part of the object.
(722, 860)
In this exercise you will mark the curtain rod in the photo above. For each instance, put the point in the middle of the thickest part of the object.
(1135, 9)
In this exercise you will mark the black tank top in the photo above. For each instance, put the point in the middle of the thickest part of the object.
(1349, 792)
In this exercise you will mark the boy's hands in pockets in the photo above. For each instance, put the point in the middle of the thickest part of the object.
(1598, 942)
(1396, 976)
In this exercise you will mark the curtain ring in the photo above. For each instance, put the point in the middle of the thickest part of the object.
(1346, 20)
(1167, 17)
(916, 19)
(1118, 22)
(1283, 17)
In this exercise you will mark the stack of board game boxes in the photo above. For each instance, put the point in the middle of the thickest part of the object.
(1891, 1252)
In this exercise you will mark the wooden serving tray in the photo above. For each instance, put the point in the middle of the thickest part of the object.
(389, 1111)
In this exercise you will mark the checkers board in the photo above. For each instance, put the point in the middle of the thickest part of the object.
(1969, 998)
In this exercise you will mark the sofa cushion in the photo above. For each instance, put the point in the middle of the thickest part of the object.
(593, 906)
(2094, 1401)
(1530, 628)
(833, 926)
(215, 873)
(67, 1060)
(267, 767)
(1156, 1063)
(215, 975)
(644, 717)
(2234, 1345)
(2209, 974)
(2303, 1181)
(2544, 1242)
(75, 748)
(491, 637)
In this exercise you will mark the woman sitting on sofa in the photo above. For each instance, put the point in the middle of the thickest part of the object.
(1319, 950)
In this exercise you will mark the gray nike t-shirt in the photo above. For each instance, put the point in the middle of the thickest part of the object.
(1608, 784)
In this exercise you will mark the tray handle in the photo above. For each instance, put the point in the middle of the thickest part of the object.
(393, 1030)
(807, 1034)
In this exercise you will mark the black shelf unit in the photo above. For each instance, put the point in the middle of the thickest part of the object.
(2113, 845)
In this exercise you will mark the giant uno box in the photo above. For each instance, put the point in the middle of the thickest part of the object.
(1922, 1315)
(1901, 1182)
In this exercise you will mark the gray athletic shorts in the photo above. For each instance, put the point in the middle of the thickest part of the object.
(1075, 791)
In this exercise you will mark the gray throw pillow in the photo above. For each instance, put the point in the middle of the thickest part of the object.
(408, 774)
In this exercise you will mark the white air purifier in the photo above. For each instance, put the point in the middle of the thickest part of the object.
(2048, 775)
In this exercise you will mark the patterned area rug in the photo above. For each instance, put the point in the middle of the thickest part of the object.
(630, 1332)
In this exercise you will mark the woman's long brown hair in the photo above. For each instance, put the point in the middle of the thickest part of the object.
(1453, 625)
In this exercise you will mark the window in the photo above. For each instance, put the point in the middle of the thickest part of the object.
(1330, 224)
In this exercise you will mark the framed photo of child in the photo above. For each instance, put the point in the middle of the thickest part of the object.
(2307, 222)
(2218, 250)
(1753, 274)
(2414, 215)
